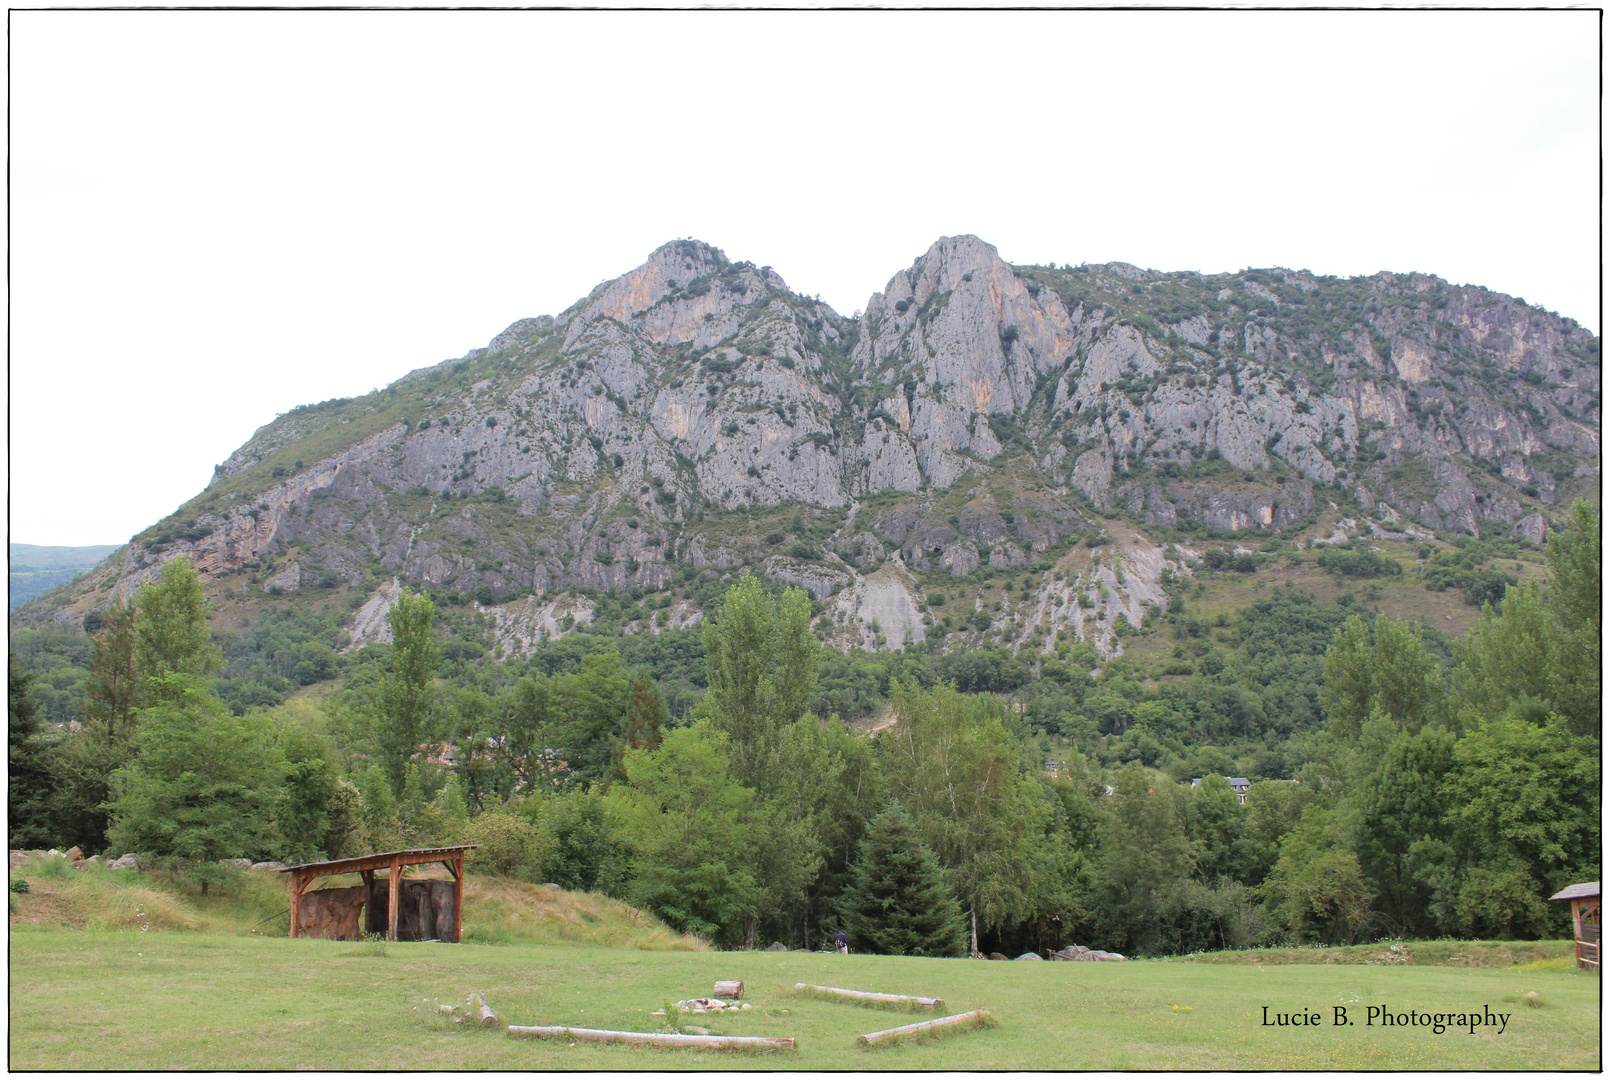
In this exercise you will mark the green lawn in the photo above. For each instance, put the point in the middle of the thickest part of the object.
(100, 1000)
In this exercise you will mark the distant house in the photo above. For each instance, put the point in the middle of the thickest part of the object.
(1238, 784)
(1056, 769)
(1584, 921)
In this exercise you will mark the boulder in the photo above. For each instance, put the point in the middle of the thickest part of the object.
(131, 861)
(998, 956)
(74, 854)
(16, 859)
(1097, 954)
(1532, 527)
(777, 946)
(1028, 956)
(244, 864)
(266, 865)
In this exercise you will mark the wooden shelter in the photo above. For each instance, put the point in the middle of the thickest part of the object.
(1585, 921)
(415, 910)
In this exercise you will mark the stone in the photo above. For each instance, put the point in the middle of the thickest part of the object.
(1029, 956)
(266, 865)
(74, 854)
(131, 861)
(1532, 527)
(997, 956)
(16, 859)
(244, 864)
(777, 946)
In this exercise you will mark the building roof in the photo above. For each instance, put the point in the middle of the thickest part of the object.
(1577, 892)
(406, 857)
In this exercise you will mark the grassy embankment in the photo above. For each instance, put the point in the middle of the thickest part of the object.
(112, 994)
(256, 903)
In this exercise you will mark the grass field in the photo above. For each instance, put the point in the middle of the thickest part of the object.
(129, 1000)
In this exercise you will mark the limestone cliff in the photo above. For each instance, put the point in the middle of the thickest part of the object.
(697, 415)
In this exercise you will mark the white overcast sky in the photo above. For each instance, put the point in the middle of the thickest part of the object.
(216, 217)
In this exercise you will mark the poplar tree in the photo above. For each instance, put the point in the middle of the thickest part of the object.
(408, 689)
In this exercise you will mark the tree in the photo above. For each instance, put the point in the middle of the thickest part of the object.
(952, 763)
(302, 812)
(170, 629)
(1387, 672)
(1142, 862)
(1400, 809)
(203, 783)
(646, 719)
(1522, 798)
(408, 689)
(761, 665)
(1317, 884)
(899, 903)
(28, 780)
(1545, 646)
(114, 683)
(687, 822)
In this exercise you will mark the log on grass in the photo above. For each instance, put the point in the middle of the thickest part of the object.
(653, 1038)
(730, 990)
(866, 997)
(482, 1010)
(978, 1018)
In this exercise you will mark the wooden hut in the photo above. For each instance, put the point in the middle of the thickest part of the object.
(1585, 920)
(412, 910)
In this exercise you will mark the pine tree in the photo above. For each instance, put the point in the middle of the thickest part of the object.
(899, 903)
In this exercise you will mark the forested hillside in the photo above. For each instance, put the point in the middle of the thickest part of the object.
(738, 778)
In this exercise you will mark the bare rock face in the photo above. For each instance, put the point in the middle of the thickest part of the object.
(625, 440)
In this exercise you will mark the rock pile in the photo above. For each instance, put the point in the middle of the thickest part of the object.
(1079, 952)
(704, 1005)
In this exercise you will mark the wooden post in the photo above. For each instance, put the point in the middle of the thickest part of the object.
(369, 908)
(458, 898)
(298, 883)
(392, 901)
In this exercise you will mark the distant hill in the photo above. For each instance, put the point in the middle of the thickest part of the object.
(36, 570)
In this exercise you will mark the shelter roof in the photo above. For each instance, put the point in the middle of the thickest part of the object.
(406, 857)
(1577, 892)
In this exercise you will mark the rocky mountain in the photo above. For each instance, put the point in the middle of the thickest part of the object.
(695, 417)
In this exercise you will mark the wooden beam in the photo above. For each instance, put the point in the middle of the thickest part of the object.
(863, 997)
(373, 862)
(458, 899)
(978, 1018)
(392, 896)
(646, 1038)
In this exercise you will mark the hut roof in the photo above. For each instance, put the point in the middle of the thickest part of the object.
(406, 857)
(1577, 892)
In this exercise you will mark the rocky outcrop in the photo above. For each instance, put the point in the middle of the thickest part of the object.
(598, 449)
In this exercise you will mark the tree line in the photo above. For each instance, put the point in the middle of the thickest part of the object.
(1411, 789)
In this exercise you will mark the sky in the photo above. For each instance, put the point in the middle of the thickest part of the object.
(218, 216)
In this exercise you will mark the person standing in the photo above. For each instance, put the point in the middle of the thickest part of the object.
(841, 943)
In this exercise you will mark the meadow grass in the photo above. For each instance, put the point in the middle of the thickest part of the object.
(164, 1000)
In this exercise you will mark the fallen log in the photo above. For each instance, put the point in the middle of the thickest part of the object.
(730, 990)
(479, 1007)
(863, 997)
(978, 1018)
(651, 1038)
